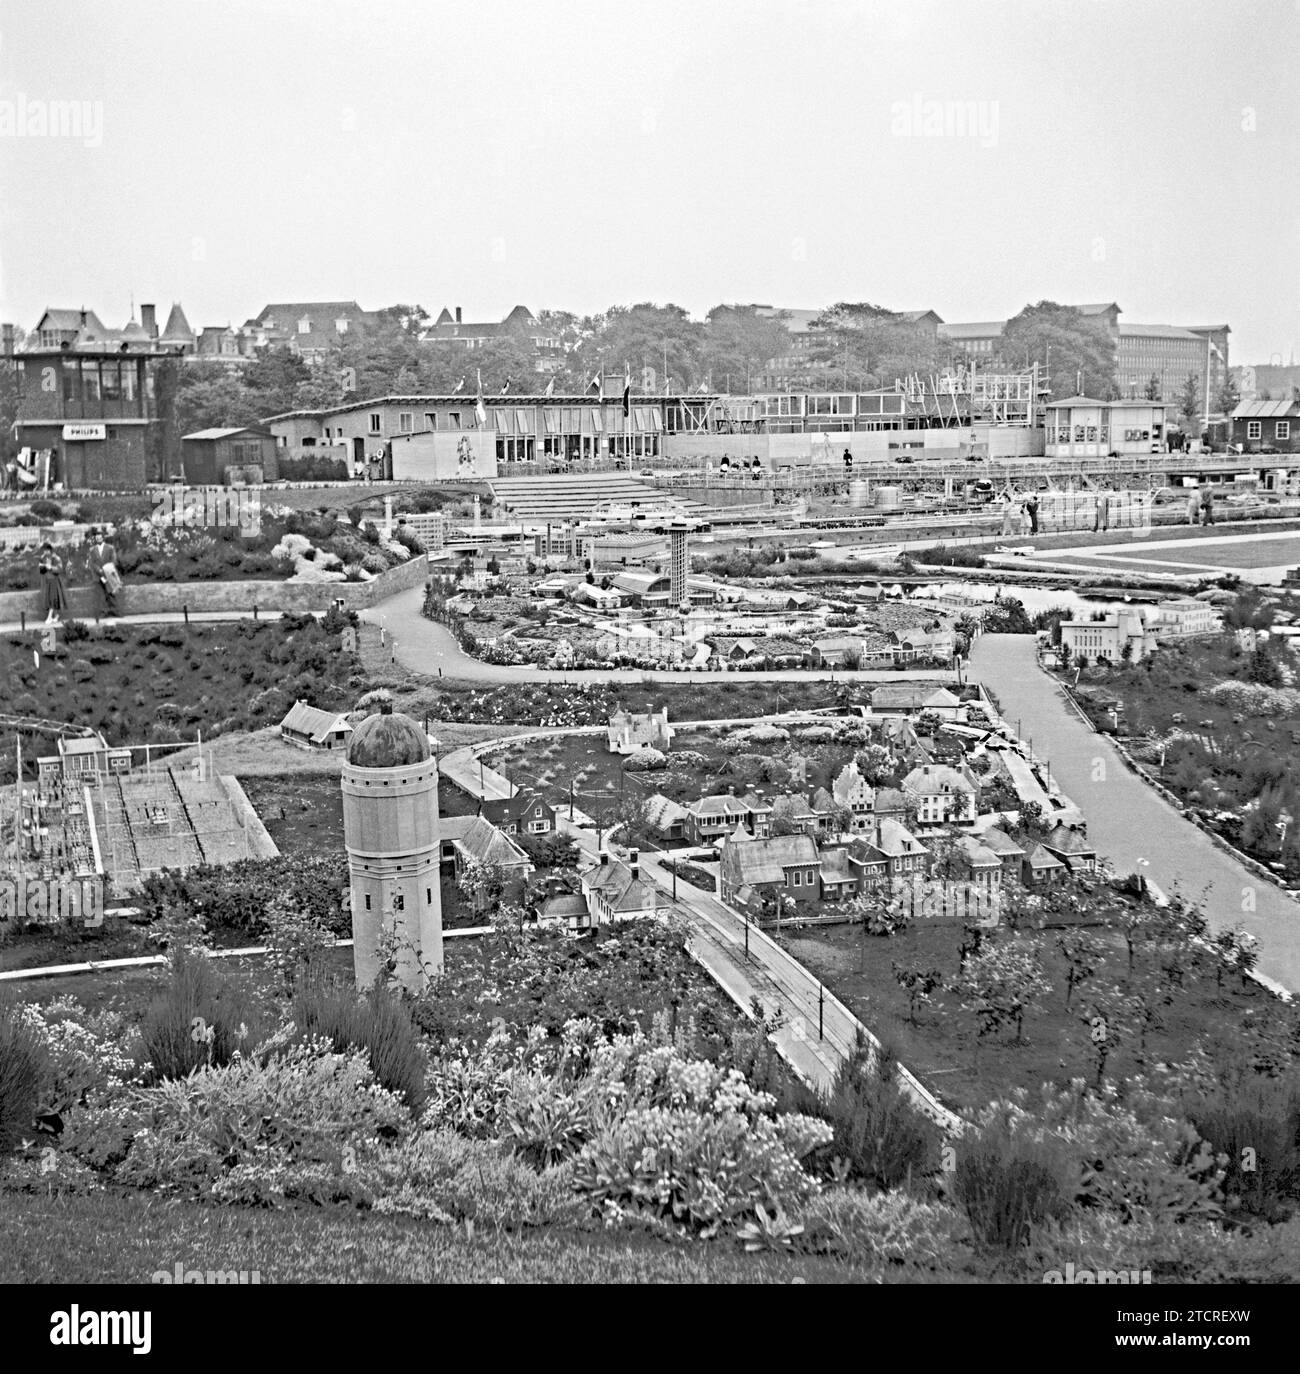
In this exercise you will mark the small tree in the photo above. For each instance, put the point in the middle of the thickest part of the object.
(1238, 950)
(919, 984)
(1147, 997)
(481, 883)
(1135, 925)
(1107, 1016)
(1189, 401)
(1083, 956)
(1002, 984)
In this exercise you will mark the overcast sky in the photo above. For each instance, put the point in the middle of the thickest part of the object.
(572, 155)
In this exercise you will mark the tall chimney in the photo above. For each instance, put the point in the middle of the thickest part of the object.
(458, 314)
(149, 320)
(634, 862)
(8, 331)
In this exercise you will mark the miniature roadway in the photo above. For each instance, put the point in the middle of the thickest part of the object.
(1131, 824)
(815, 1032)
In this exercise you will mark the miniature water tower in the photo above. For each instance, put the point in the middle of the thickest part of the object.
(390, 829)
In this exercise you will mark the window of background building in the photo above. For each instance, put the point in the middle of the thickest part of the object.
(376, 422)
(1282, 430)
(404, 422)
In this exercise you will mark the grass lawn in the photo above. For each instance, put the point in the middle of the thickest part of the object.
(1118, 567)
(942, 1047)
(125, 1238)
(1231, 553)
(303, 812)
(599, 776)
(159, 684)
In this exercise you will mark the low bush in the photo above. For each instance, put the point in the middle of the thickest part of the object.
(377, 1023)
(1255, 1125)
(441, 1176)
(25, 1073)
(281, 1110)
(197, 1022)
(1009, 1187)
(866, 1228)
(1135, 1156)
(876, 1131)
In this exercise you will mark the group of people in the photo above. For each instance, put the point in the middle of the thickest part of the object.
(1026, 509)
(102, 564)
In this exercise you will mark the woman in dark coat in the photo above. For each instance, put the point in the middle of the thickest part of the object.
(54, 595)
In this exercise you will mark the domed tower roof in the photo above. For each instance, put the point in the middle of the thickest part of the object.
(388, 740)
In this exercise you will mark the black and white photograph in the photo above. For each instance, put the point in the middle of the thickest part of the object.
(649, 645)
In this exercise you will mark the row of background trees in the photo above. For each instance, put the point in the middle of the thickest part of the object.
(853, 346)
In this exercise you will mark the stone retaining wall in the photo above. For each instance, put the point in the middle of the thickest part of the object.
(160, 598)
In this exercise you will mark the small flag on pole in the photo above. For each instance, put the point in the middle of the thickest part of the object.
(506, 388)
(627, 392)
(480, 410)
(598, 384)
(459, 387)
(550, 387)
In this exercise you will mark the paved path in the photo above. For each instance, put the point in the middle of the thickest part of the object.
(1127, 819)
(427, 647)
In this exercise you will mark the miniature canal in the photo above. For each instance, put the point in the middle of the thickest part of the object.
(1132, 826)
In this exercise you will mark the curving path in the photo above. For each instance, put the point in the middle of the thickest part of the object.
(427, 647)
(1128, 820)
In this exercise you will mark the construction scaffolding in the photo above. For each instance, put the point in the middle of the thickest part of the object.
(969, 396)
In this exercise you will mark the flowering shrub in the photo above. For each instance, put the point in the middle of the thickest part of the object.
(891, 1227)
(84, 1051)
(296, 938)
(304, 1105)
(441, 1176)
(465, 1091)
(645, 760)
(1136, 1156)
(682, 1141)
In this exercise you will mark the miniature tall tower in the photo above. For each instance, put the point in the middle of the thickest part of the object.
(679, 564)
(390, 828)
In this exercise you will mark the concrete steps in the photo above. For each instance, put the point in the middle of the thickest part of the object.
(571, 496)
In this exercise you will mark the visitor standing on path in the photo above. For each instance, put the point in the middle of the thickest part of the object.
(1031, 510)
(1207, 507)
(103, 568)
(1101, 521)
(54, 595)
(1008, 509)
